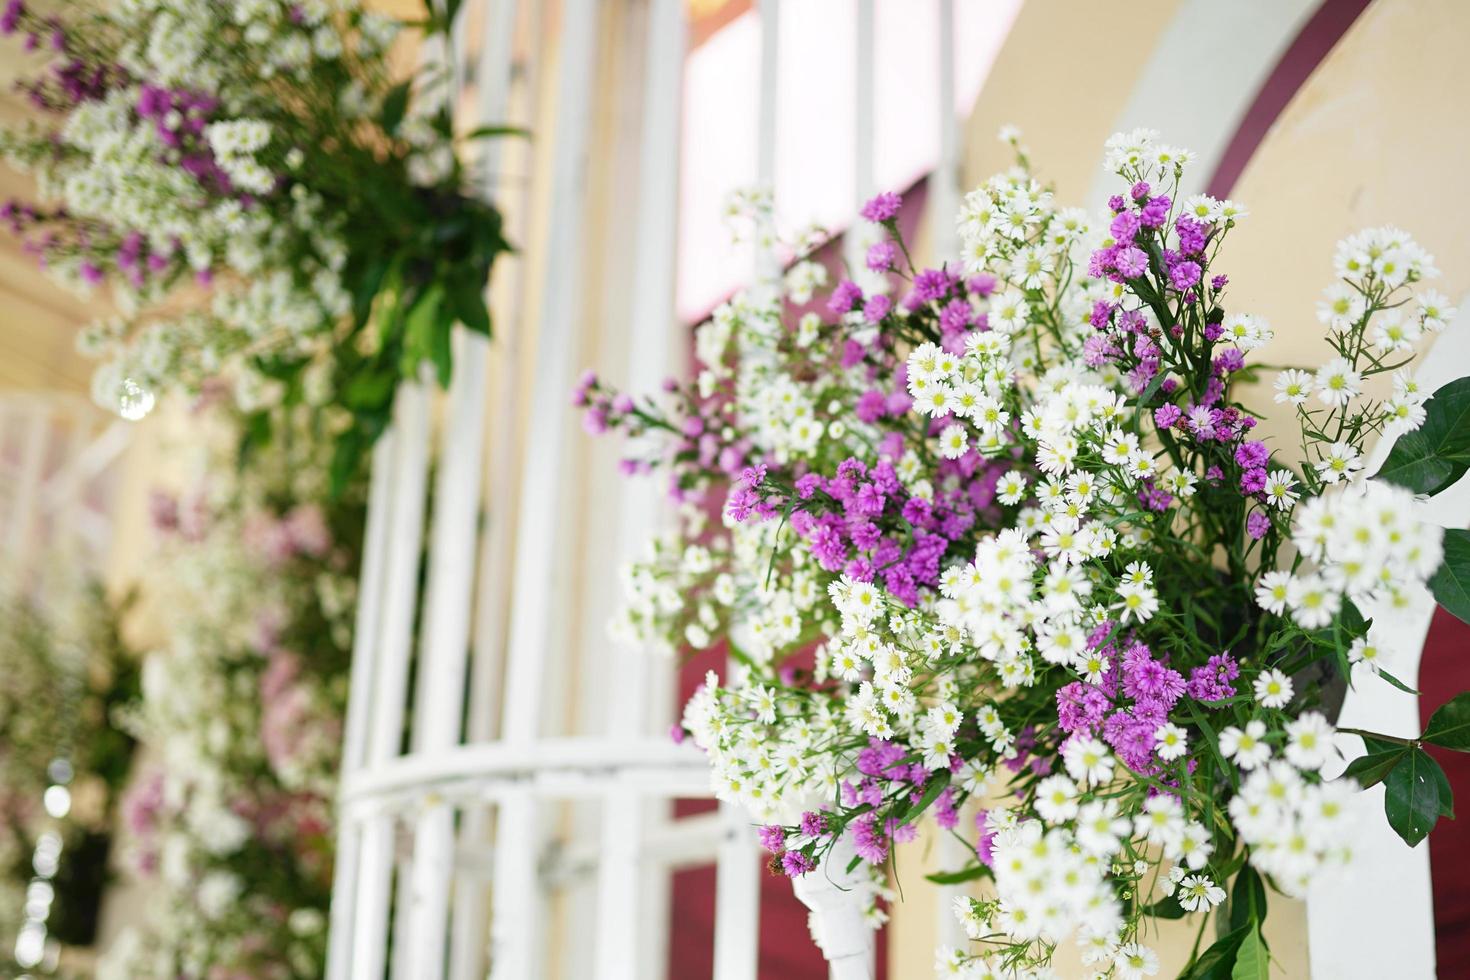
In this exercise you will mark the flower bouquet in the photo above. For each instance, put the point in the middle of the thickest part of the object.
(1000, 544)
(257, 189)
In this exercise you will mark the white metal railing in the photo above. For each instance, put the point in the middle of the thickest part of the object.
(444, 865)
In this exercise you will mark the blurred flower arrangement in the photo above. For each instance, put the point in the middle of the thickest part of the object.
(66, 682)
(256, 189)
(999, 544)
(241, 713)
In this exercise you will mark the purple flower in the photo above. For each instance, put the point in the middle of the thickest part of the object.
(795, 864)
(1212, 682)
(882, 256)
(10, 20)
(844, 297)
(1184, 275)
(1252, 454)
(1257, 524)
(1167, 416)
(1124, 227)
(813, 824)
(1130, 262)
(868, 840)
(772, 838)
(883, 207)
(877, 308)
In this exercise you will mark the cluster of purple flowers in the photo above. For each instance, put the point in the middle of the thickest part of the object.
(794, 862)
(884, 772)
(864, 523)
(1135, 697)
(72, 81)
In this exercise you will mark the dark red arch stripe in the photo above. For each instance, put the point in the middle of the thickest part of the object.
(1311, 45)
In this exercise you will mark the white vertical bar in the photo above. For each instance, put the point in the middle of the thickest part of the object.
(370, 919)
(390, 688)
(621, 901)
(767, 262)
(468, 940)
(737, 868)
(863, 184)
(439, 705)
(515, 925)
(365, 647)
(405, 536)
(944, 192)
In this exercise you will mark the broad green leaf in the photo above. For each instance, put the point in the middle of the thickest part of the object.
(1217, 962)
(395, 106)
(1412, 798)
(1451, 584)
(1371, 769)
(1434, 456)
(1446, 794)
(1247, 898)
(1253, 961)
(1449, 726)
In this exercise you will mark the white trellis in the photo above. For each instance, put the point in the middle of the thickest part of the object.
(444, 866)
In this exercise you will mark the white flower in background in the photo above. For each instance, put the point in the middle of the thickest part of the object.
(1338, 382)
(1246, 746)
(1171, 742)
(1272, 688)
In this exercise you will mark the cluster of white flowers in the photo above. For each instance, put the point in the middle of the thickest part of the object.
(176, 164)
(1367, 546)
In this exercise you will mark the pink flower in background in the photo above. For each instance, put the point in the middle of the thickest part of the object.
(307, 526)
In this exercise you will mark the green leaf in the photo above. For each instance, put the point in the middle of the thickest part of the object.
(1247, 898)
(1451, 584)
(467, 303)
(960, 877)
(1253, 961)
(1373, 768)
(1217, 962)
(491, 132)
(931, 792)
(1412, 798)
(1434, 456)
(1395, 682)
(1446, 794)
(395, 106)
(1449, 726)
(1164, 908)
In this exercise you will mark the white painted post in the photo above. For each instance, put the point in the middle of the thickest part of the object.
(387, 697)
(629, 894)
(443, 653)
(854, 245)
(468, 926)
(944, 195)
(737, 868)
(516, 925)
(365, 651)
(944, 187)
